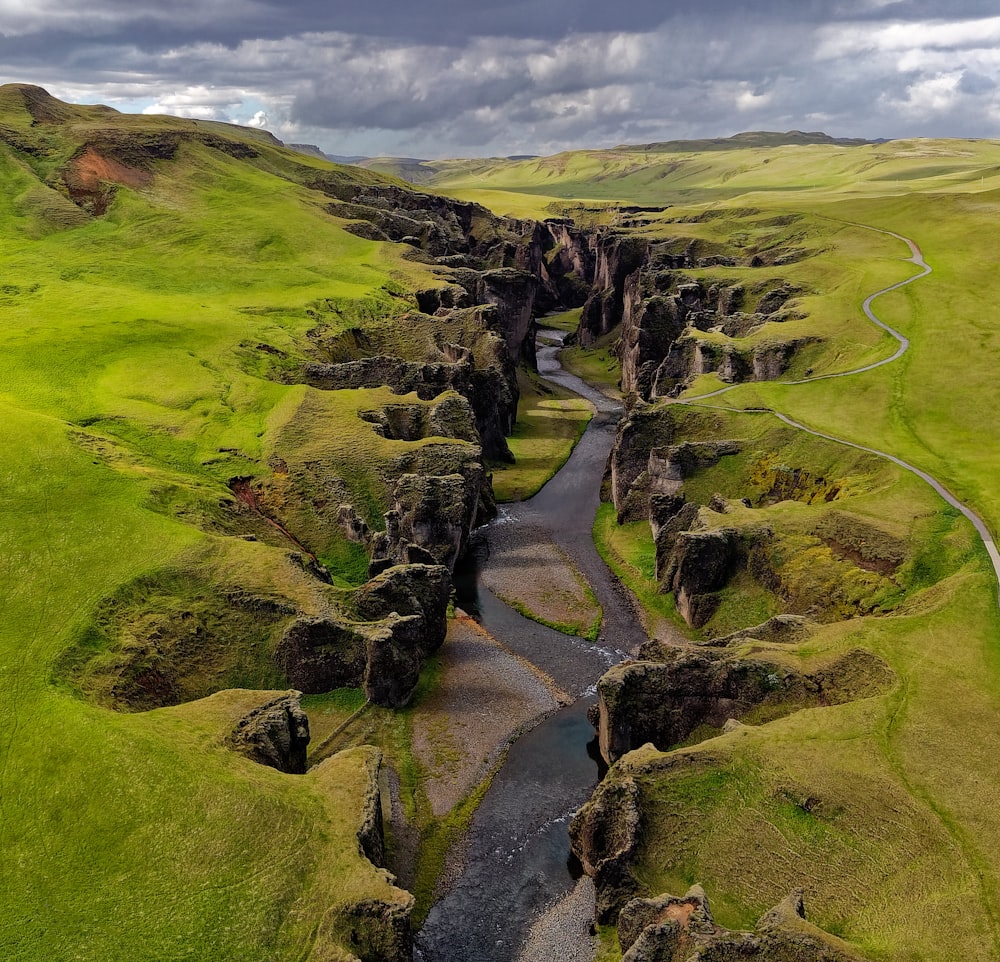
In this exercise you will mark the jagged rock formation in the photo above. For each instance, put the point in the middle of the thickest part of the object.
(642, 286)
(275, 734)
(430, 520)
(485, 378)
(401, 621)
(692, 356)
(641, 430)
(672, 929)
(675, 691)
(700, 564)
(604, 834)
(618, 257)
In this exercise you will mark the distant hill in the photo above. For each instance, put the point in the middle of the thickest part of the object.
(311, 150)
(752, 138)
(411, 169)
(354, 159)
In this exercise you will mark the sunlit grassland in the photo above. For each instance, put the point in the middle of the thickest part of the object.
(127, 371)
(629, 551)
(597, 365)
(871, 797)
(137, 836)
(882, 809)
(638, 176)
(931, 407)
(550, 421)
(562, 321)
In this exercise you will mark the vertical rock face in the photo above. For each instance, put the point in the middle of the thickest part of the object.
(402, 619)
(572, 260)
(617, 256)
(430, 520)
(639, 431)
(604, 834)
(275, 734)
(702, 562)
(663, 701)
(370, 929)
(412, 601)
(651, 323)
(320, 654)
(513, 293)
(378, 931)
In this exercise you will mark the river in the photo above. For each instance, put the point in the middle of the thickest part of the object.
(517, 861)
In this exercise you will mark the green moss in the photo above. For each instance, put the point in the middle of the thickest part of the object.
(629, 551)
(550, 421)
(597, 365)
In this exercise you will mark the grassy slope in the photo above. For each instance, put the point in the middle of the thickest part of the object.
(899, 848)
(139, 836)
(550, 421)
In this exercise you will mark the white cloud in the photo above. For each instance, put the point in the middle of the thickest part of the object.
(853, 39)
(703, 72)
(747, 99)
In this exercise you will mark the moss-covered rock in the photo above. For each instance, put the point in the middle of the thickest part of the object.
(274, 734)
(665, 701)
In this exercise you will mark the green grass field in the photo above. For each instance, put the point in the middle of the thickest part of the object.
(882, 809)
(128, 401)
(550, 420)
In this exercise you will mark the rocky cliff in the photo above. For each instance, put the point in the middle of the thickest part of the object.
(676, 322)
(674, 692)
(677, 929)
(275, 734)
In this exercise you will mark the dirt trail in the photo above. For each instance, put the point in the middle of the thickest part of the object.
(917, 258)
(962, 842)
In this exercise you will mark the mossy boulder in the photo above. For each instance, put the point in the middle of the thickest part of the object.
(274, 734)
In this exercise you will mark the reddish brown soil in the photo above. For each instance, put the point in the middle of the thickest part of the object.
(91, 169)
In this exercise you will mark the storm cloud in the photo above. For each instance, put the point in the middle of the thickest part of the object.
(454, 78)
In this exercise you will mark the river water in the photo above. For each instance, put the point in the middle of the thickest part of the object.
(517, 860)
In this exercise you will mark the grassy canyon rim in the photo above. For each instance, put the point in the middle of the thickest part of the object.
(197, 325)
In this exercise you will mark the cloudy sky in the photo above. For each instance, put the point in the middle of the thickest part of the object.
(439, 78)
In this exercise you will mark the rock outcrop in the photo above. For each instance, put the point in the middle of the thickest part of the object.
(377, 930)
(371, 929)
(401, 621)
(604, 834)
(662, 310)
(672, 929)
(617, 257)
(275, 734)
(430, 520)
(664, 701)
(489, 390)
(691, 356)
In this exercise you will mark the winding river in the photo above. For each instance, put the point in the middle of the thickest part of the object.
(517, 860)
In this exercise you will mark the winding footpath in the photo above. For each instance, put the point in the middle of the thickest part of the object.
(917, 258)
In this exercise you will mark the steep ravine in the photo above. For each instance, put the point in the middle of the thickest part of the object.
(516, 860)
